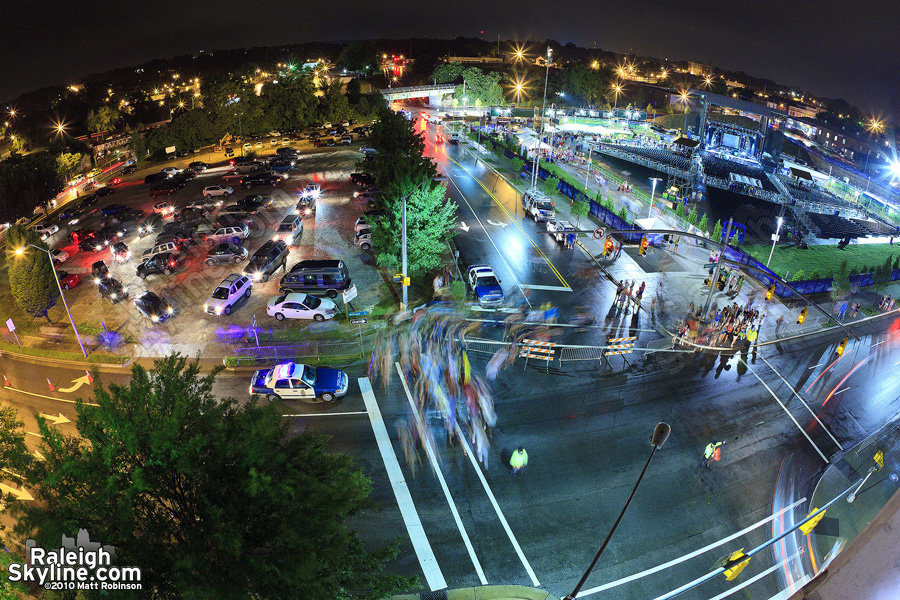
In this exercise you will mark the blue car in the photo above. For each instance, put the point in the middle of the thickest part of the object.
(486, 285)
(292, 381)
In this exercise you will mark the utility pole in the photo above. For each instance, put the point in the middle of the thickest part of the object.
(537, 151)
(715, 277)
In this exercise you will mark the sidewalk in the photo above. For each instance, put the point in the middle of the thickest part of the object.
(677, 278)
(486, 592)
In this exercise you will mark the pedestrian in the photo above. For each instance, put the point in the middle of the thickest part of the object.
(570, 241)
(618, 250)
(677, 239)
(518, 461)
(843, 311)
(709, 454)
(779, 324)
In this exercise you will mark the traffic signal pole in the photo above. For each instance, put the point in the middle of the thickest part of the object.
(715, 278)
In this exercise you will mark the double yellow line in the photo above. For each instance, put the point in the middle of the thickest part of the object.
(513, 220)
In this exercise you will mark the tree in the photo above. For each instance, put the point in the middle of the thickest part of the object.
(27, 181)
(517, 164)
(580, 209)
(292, 103)
(67, 162)
(354, 91)
(840, 287)
(333, 104)
(703, 224)
(551, 185)
(447, 72)
(692, 216)
(623, 214)
(31, 278)
(359, 56)
(430, 223)
(138, 146)
(482, 89)
(399, 153)
(211, 497)
(717, 231)
(102, 119)
(882, 275)
(679, 209)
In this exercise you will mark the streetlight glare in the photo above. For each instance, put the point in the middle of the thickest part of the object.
(20, 251)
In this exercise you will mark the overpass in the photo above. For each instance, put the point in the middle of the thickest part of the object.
(432, 92)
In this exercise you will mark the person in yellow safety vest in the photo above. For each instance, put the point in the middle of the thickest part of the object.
(709, 452)
(752, 335)
(518, 460)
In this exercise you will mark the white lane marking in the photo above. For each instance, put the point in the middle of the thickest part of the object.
(814, 416)
(693, 554)
(843, 390)
(780, 403)
(437, 469)
(334, 414)
(879, 343)
(820, 364)
(491, 240)
(549, 288)
(433, 575)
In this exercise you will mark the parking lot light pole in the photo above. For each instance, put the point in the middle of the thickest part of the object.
(660, 435)
(19, 252)
(652, 194)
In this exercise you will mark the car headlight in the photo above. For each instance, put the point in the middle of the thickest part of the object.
(205, 306)
(155, 318)
(276, 237)
(98, 248)
(308, 210)
(170, 310)
(113, 296)
(296, 211)
(356, 194)
(218, 310)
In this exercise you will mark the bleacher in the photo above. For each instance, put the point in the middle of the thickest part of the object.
(832, 226)
(877, 227)
(660, 155)
(759, 216)
(812, 195)
(720, 168)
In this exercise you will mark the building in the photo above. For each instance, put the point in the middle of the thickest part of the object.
(836, 139)
(476, 60)
(802, 110)
(700, 69)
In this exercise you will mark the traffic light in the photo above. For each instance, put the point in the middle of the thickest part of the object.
(808, 526)
(770, 292)
(607, 246)
(802, 316)
(734, 568)
(644, 244)
(842, 346)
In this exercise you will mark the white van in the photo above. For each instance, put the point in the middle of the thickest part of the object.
(538, 206)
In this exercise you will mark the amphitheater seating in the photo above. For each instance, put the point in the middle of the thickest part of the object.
(660, 155)
(832, 226)
(720, 168)
(757, 215)
(877, 227)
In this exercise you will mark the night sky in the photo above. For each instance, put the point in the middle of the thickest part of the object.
(832, 48)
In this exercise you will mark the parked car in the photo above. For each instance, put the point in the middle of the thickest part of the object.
(291, 381)
(362, 179)
(261, 179)
(227, 294)
(58, 256)
(99, 270)
(163, 208)
(128, 170)
(169, 171)
(363, 239)
(45, 230)
(67, 280)
(233, 210)
(155, 178)
(329, 277)
(229, 234)
(164, 263)
(120, 252)
(190, 213)
(485, 284)
(365, 221)
(90, 244)
(112, 289)
(300, 306)
(151, 224)
(105, 191)
(252, 204)
(80, 234)
(207, 204)
(226, 253)
(199, 166)
(153, 307)
(270, 257)
(112, 209)
(217, 190)
(108, 235)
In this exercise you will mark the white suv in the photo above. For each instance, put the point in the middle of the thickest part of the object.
(226, 295)
(45, 230)
(217, 190)
(232, 234)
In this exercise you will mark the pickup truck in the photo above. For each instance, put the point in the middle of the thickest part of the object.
(538, 206)
(559, 229)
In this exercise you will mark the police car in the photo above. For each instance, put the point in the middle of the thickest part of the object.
(293, 381)
(485, 284)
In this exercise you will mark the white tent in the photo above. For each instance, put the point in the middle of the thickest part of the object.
(531, 142)
(735, 177)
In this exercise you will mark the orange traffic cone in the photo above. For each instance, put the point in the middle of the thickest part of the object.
(6, 382)
(89, 376)
(52, 389)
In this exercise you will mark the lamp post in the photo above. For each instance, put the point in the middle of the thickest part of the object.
(774, 239)
(652, 194)
(588, 172)
(537, 151)
(19, 252)
(660, 435)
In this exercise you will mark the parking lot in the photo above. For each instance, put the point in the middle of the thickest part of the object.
(328, 232)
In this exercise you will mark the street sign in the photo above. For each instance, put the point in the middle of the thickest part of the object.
(599, 233)
(349, 294)
(10, 325)
(358, 321)
(359, 313)
(709, 266)
(775, 237)
(398, 278)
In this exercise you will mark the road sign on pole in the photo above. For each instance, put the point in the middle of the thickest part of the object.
(349, 294)
(10, 325)
(358, 321)
(599, 233)
(359, 313)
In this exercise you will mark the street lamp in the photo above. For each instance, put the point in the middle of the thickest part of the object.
(660, 435)
(537, 151)
(20, 252)
(774, 239)
(652, 194)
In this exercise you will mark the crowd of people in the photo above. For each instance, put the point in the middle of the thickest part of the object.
(729, 327)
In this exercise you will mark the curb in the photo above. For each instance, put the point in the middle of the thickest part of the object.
(487, 592)
(45, 360)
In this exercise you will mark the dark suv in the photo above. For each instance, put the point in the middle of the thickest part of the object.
(260, 179)
(112, 289)
(164, 263)
(265, 261)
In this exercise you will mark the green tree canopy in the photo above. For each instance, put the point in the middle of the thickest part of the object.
(333, 104)
(399, 151)
(27, 181)
(430, 222)
(67, 162)
(292, 101)
(359, 56)
(31, 278)
(102, 119)
(210, 497)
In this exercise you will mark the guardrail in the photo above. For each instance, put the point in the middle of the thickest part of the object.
(292, 351)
